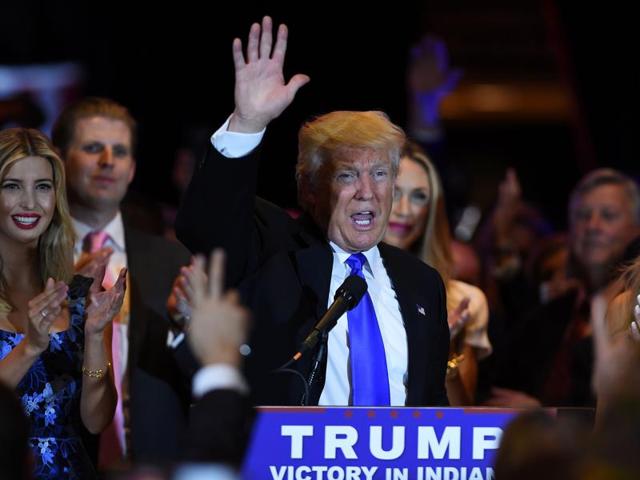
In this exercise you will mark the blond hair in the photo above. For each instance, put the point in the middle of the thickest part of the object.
(434, 245)
(630, 277)
(320, 138)
(55, 245)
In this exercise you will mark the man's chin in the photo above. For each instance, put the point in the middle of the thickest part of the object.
(361, 241)
(600, 261)
(98, 203)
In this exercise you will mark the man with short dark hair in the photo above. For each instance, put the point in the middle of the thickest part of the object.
(96, 138)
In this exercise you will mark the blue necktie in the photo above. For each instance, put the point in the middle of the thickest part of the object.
(369, 378)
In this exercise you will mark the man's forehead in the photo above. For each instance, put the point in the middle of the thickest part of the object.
(359, 157)
(98, 127)
(608, 194)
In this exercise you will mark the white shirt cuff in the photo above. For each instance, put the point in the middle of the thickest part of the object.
(235, 144)
(217, 377)
(173, 340)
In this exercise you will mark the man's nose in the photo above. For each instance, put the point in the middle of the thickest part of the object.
(594, 221)
(365, 187)
(106, 157)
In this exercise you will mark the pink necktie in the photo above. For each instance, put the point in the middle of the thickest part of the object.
(111, 451)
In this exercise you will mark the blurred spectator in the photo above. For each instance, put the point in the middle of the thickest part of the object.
(547, 269)
(429, 79)
(616, 381)
(32, 95)
(550, 357)
(466, 263)
(216, 325)
(20, 110)
(505, 241)
(536, 445)
(192, 150)
(97, 141)
(220, 419)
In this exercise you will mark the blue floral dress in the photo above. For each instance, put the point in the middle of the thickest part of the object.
(50, 395)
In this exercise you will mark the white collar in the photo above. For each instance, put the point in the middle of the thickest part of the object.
(115, 230)
(372, 255)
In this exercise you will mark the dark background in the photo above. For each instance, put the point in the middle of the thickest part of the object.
(171, 65)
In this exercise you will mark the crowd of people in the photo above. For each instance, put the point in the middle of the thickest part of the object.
(123, 348)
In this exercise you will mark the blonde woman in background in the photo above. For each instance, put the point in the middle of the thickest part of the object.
(418, 223)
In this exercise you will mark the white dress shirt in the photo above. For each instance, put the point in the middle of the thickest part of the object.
(337, 389)
(235, 144)
(218, 376)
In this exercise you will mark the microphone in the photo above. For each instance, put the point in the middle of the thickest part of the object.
(347, 296)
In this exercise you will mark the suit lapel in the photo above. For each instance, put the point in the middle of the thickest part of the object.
(313, 262)
(415, 316)
(137, 323)
(314, 265)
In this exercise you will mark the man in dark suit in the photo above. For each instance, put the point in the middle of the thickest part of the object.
(96, 138)
(393, 349)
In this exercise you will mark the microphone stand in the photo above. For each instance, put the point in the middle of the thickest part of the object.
(317, 361)
(347, 296)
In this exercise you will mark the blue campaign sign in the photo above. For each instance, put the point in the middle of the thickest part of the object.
(375, 443)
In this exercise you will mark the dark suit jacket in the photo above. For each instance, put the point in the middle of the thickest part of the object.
(531, 356)
(159, 392)
(219, 428)
(283, 267)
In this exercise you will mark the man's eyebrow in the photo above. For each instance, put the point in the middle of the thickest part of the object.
(345, 166)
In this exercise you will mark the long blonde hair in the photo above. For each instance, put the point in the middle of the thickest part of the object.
(630, 277)
(434, 245)
(55, 245)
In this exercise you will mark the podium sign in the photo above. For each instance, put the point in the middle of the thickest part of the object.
(375, 443)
